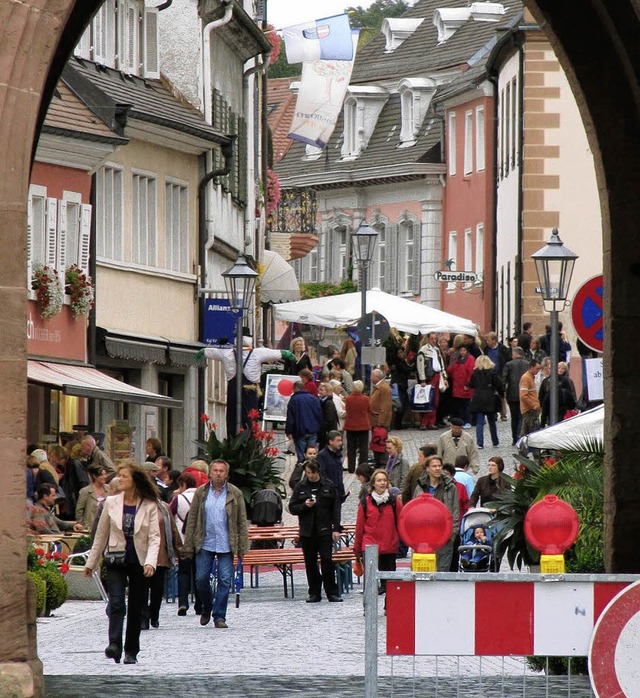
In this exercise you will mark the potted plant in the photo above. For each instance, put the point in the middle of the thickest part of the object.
(49, 295)
(79, 287)
(250, 455)
(51, 568)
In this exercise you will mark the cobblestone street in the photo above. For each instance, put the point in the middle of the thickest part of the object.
(273, 647)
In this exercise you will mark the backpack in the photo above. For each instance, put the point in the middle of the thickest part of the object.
(392, 502)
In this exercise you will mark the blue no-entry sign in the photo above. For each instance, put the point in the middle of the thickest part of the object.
(587, 313)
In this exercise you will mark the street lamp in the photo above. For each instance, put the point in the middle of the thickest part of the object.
(239, 280)
(554, 266)
(364, 243)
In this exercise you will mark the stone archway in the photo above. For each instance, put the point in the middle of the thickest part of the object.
(596, 43)
(36, 36)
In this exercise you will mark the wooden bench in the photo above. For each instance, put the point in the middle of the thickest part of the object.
(283, 559)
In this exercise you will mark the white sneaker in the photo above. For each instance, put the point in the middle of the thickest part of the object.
(467, 426)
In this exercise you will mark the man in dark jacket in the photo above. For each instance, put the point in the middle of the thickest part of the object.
(329, 414)
(330, 461)
(304, 419)
(316, 504)
(511, 375)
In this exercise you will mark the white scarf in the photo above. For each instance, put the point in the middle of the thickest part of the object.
(380, 499)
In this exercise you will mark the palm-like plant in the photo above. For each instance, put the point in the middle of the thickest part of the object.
(574, 476)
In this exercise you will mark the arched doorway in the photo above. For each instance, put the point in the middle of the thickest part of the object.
(596, 41)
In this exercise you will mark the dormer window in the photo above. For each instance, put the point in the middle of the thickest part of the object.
(448, 19)
(415, 98)
(398, 29)
(361, 110)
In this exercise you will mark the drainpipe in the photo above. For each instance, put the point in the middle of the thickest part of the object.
(519, 262)
(247, 104)
(227, 153)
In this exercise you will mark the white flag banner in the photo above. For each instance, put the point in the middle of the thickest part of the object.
(323, 86)
(327, 39)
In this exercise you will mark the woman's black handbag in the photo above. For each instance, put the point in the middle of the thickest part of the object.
(115, 558)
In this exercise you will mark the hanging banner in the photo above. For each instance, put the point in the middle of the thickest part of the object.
(322, 89)
(327, 39)
(219, 323)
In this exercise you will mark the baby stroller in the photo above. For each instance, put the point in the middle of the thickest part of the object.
(266, 510)
(474, 555)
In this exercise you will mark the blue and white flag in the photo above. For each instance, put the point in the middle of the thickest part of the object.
(327, 39)
(322, 89)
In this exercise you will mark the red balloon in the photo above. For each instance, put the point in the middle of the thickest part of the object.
(285, 388)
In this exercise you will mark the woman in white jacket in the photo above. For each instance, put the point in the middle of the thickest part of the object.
(128, 534)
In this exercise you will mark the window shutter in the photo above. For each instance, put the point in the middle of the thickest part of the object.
(417, 246)
(135, 219)
(61, 256)
(243, 155)
(152, 227)
(84, 238)
(98, 36)
(184, 230)
(151, 57)
(110, 33)
(83, 47)
(52, 225)
(132, 38)
(235, 172)
(391, 282)
(29, 239)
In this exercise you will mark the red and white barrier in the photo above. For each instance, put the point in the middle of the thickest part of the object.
(495, 618)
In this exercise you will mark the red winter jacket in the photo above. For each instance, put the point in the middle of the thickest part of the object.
(460, 374)
(463, 498)
(378, 526)
(357, 408)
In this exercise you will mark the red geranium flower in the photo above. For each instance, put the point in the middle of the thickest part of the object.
(254, 414)
(64, 568)
(38, 551)
(204, 417)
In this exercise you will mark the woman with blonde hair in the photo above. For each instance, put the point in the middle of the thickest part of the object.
(397, 467)
(302, 360)
(349, 354)
(487, 398)
(128, 537)
(199, 469)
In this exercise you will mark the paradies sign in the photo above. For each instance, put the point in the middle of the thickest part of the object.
(467, 277)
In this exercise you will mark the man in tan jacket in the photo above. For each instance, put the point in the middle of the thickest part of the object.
(380, 408)
(529, 402)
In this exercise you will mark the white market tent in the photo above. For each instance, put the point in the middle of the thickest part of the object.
(566, 434)
(403, 314)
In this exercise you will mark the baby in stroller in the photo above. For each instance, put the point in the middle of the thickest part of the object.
(476, 553)
(477, 556)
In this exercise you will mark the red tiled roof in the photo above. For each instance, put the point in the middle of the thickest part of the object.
(281, 103)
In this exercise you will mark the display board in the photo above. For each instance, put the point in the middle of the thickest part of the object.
(278, 390)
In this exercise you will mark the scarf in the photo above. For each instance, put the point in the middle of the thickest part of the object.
(391, 464)
(380, 499)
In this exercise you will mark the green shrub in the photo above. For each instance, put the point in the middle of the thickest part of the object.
(41, 591)
(57, 587)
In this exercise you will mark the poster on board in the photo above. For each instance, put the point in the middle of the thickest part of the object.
(278, 390)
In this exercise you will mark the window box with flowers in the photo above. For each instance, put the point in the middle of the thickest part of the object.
(79, 288)
(48, 290)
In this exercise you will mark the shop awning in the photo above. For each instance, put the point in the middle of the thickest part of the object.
(85, 381)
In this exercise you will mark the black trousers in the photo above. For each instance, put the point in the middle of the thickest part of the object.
(312, 546)
(154, 591)
(514, 410)
(117, 580)
(186, 582)
(357, 443)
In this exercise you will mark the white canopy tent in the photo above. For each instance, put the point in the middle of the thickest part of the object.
(403, 314)
(570, 432)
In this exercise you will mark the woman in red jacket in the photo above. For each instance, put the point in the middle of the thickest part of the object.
(356, 426)
(377, 523)
(459, 371)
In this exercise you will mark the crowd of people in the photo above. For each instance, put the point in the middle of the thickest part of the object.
(146, 519)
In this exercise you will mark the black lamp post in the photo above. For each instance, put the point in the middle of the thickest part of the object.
(364, 244)
(554, 266)
(240, 281)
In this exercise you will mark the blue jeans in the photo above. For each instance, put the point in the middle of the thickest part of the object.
(204, 561)
(301, 443)
(491, 418)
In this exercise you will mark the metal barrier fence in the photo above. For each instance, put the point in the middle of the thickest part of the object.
(407, 661)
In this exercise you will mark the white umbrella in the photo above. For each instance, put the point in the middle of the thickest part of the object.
(403, 314)
(587, 425)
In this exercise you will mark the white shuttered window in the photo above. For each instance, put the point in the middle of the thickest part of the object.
(109, 213)
(143, 220)
(177, 227)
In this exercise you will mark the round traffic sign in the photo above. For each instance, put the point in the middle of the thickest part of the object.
(615, 646)
(587, 313)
